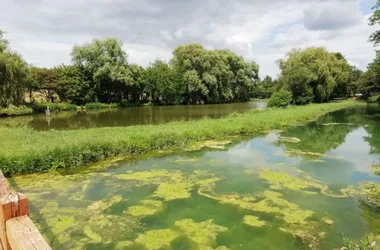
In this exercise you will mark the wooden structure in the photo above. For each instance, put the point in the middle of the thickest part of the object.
(17, 231)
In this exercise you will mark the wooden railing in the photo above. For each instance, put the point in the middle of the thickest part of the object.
(17, 231)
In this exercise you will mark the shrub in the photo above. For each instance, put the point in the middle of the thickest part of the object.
(98, 105)
(281, 99)
(12, 110)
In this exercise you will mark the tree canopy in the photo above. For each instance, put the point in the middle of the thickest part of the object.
(312, 74)
(13, 75)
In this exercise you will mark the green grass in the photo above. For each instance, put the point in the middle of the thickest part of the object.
(375, 98)
(24, 150)
(15, 111)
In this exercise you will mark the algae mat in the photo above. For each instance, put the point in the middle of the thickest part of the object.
(304, 188)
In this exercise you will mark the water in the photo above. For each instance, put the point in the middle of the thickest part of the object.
(127, 116)
(288, 191)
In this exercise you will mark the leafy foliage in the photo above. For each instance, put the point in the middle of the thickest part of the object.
(375, 20)
(13, 73)
(312, 74)
(280, 99)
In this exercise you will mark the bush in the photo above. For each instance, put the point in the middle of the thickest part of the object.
(54, 107)
(98, 105)
(14, 110)
(281, 99)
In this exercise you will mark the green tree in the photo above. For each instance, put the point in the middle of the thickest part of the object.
(213, 76)
(163, 84)
(106, 63)
(13, 75)
(45, 81)
(312, 74)
(375, 20)
(73, 85)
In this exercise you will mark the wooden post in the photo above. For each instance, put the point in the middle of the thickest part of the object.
(11, 206)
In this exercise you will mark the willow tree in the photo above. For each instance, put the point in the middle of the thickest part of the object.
(106, 63)
(13, 75)
(213, 76)
(312, 74)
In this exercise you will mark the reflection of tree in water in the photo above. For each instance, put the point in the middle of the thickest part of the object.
(316, 137)
(373, 139)
(16, 122)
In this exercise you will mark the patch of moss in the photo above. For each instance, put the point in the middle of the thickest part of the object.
(289, 139)
(294, 152)
(204, 233)
(148, 207)
(186, 160)
(157, 239)
(253, 221)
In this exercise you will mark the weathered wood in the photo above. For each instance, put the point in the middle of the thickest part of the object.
(11, 206)
(23, 235)
(4, 187)
(17, 231)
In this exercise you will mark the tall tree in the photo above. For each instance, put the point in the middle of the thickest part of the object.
(106, 62)
(13, 75)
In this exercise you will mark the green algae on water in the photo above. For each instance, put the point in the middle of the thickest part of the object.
(213, 144)
(253, 221)
(289, 139)
(203, 233)
(157, 239)
(148, 207)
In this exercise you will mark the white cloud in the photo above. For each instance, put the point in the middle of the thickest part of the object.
(44, 31)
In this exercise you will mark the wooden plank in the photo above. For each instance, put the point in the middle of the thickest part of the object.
(23, 235)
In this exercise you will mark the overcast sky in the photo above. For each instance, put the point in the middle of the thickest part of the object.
(44, 31)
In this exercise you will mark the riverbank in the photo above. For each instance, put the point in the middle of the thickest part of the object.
(24, 150)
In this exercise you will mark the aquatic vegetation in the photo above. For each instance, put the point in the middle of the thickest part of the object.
(327, 221)
(307, 234)
(336, 123)
(173, 191)
(280, 180)
(204, 233)
(289, 139)
(253, 221)
(157, 239)
(367, 192)
(148, 207)
(376, 168)
(107, 228)
(99, 206)
(26, 150)
(172, 185)
(295, 152)
(369, 242)
(209, 144)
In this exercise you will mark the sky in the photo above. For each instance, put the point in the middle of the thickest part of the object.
(44, 31)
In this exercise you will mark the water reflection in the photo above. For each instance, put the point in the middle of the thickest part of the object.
(127, 116)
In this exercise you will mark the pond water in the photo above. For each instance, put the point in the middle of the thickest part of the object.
(127, 116)
(284, 190)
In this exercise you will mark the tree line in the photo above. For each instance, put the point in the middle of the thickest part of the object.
(100, 72)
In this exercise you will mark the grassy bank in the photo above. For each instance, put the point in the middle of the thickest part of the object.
(15, 111)
(24, 150)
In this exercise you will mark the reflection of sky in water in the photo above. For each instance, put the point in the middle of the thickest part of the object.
(258, 152)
